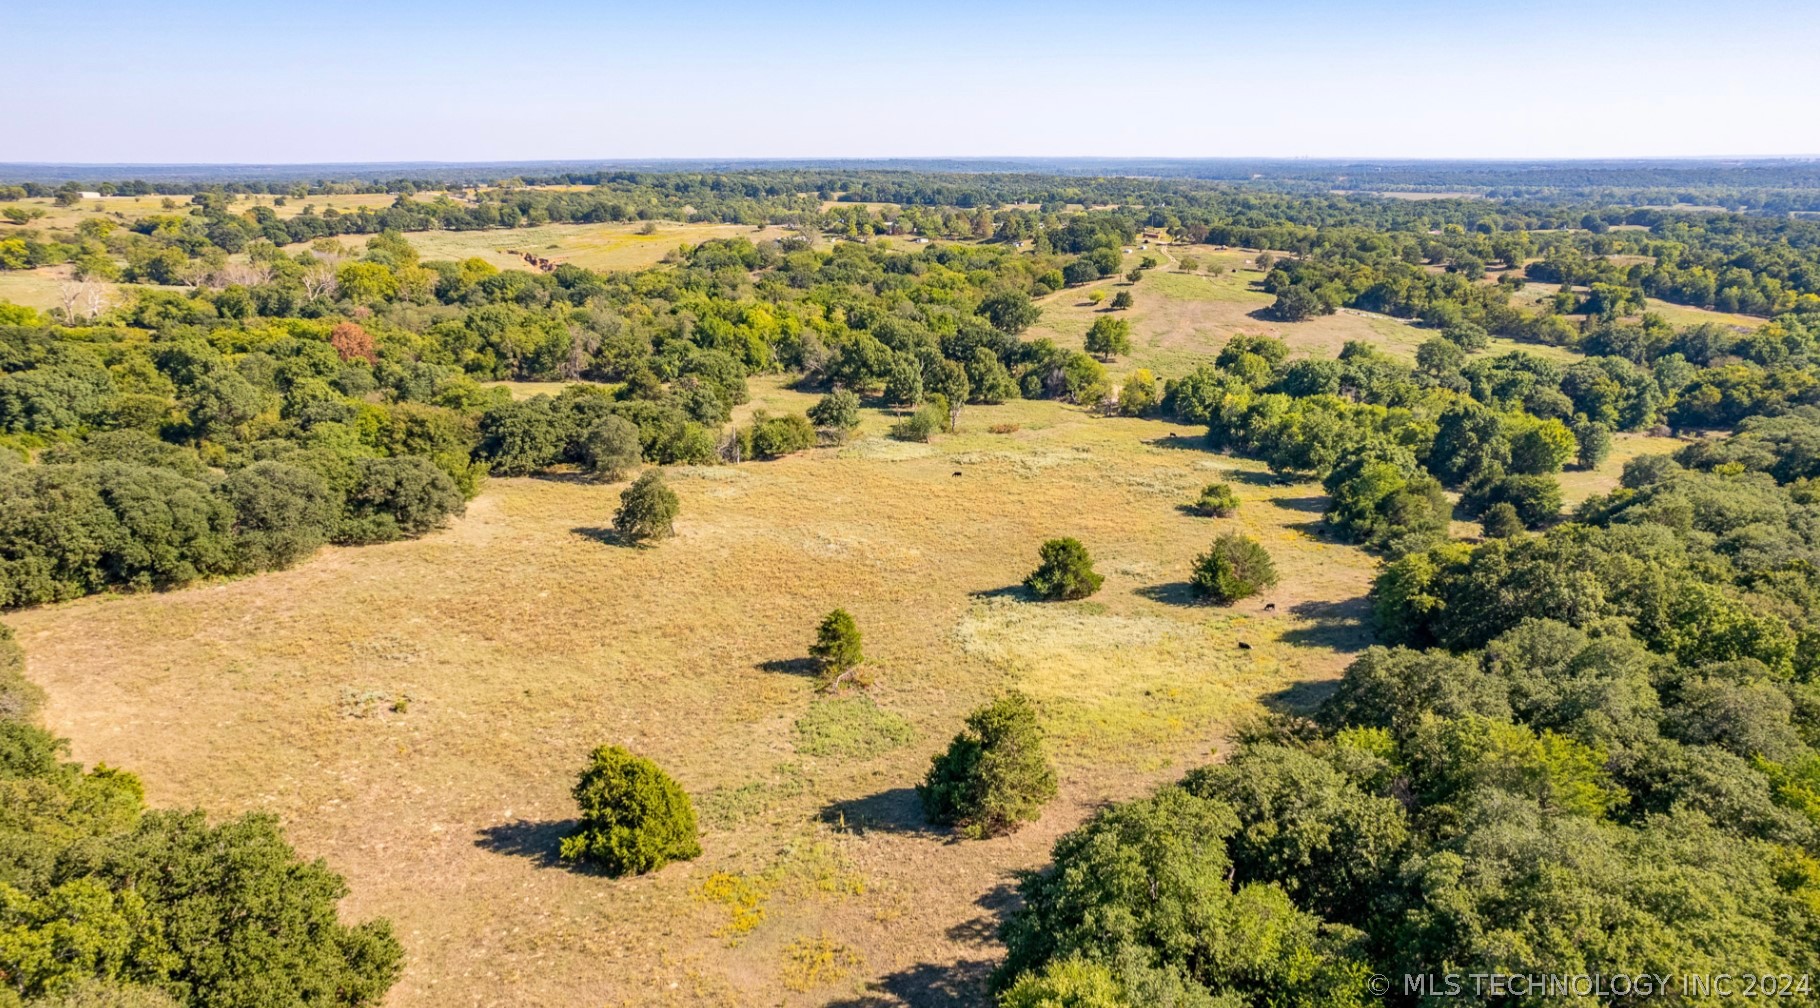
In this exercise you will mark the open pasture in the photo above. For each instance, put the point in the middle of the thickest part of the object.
(415, 712)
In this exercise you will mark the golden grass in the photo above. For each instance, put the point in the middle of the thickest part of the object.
(522, 640)
(1178, 319)
(591, 246)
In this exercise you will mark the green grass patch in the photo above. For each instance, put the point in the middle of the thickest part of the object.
(850, 728)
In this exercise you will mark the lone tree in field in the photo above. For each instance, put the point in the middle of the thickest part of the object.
(995, 774)
(1235, 567)
(1121, 301)
(1065, 573)
(1217, 500)
(610, 448)
(837, 647)
(634, 818)
(647, 509)
(1108, 338)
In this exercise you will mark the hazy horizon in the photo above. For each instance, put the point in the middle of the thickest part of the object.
(210, 82)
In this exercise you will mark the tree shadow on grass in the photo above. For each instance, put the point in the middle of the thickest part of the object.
(997, 904)
(1251, 477)
(1342, 626)
(1014, 592)
(897, 810)
(1314, 504)
(960, 984)
(1185, 442)
(536, 840)
(579, 478)
(800, 666)
(1179, 593)
(605, 535)
(1301, 699)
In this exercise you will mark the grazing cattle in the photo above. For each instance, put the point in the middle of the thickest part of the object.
(1244, 646)
(957, 472)
(1270, 607)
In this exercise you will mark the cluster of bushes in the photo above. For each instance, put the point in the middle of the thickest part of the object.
(103, 901)
(93, 524)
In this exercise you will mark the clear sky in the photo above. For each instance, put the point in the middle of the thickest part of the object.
(457, 80)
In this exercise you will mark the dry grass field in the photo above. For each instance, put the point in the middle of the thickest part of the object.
(591, 246)
(1178, 319)
(415, 712)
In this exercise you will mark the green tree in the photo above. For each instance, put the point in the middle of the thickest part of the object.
(1140, 394)
(1121, 301)
(995, 775)
(634, 818)
(1066, 571)
(610, 448)
(1009, 311)
(1500, 521)
(904, 380)
(837, 646)
(1595, 444)
(282, 513)
(647, 509)
(1108, 338)
(1542, 448)
(836, 414)
(1150, 880)
(988, 377)
(1294, 304)
(1235, 567)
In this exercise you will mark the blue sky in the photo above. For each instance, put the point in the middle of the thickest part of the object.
(238, 80)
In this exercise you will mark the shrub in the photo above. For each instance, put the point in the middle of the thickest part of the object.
(836, 414)
(837, 646)
(921, 425)
(282, 513)
(397, 497)
(1235, 567)
(1065, 573)
(995, 775)
(1217, 500)
(610, 448)
(1121, 301)
(634, 818)
(774, 436)
(647, 509)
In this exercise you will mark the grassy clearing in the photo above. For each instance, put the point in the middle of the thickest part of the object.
(1179, 319)
(522, 640)
(591, 246)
